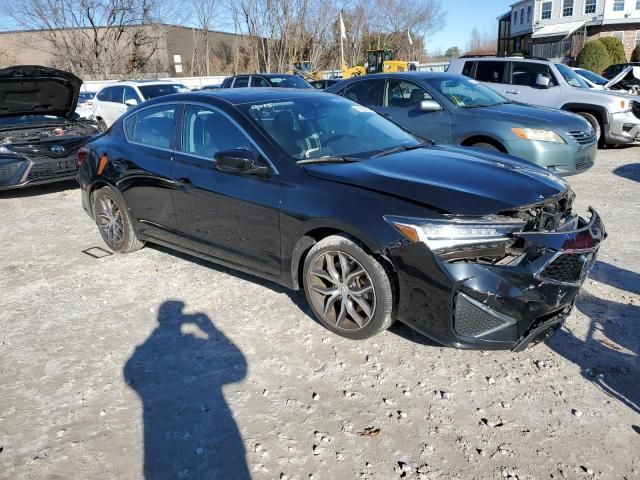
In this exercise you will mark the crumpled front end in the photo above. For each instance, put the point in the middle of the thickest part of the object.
(503, 294)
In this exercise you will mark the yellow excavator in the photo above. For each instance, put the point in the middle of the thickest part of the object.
(378, 61)
(305, 70)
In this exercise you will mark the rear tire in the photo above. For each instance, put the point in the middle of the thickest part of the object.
(348, 290)
(594, 123)
(114, 222)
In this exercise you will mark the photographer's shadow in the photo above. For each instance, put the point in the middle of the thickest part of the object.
(178, 373)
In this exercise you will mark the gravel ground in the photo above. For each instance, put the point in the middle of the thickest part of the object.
(155, 365)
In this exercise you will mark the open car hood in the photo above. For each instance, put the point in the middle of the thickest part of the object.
(622, 75)
(37, 90)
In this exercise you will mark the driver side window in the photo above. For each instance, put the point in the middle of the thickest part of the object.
(403, 94)
(526, 73)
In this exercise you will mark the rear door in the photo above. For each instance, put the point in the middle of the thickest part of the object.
(493, 73)
(366, 92)
(145, 163)
(401, 105)
(231, 216)
(115, 105)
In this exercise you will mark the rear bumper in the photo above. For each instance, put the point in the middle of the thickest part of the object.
(476, 306)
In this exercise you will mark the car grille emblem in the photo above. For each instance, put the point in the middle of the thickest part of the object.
(57, 149)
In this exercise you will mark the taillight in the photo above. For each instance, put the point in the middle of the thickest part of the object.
(82, 155)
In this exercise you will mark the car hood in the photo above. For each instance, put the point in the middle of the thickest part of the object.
(623, 74)
(37, 90)
(455, 180)
(528, 115)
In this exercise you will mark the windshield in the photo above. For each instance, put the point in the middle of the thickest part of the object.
(289, 81)
(326, 126)
(29, 119)
(467, 93)
(571, 77)
(593, 77)
(153, 91)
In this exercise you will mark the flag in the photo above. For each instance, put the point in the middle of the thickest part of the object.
(343, 31)
(409, 36)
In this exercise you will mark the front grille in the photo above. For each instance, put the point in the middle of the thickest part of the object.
(8, 170)
(472, 321)
(583, 138)
(568, 267)
(581, 165)
(55, 169)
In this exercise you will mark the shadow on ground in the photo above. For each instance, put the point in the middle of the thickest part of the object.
(609, 355)
(178, 373)
(40, 189)
(630, 171)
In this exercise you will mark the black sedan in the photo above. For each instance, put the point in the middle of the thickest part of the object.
(310, 190)
(266, 80)
(40, 133)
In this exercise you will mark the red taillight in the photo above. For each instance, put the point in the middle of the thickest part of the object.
(82, 155)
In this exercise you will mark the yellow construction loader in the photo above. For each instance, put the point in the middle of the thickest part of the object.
(305, 70)
(378, 61)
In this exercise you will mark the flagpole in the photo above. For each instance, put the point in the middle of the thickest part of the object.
(342, 33)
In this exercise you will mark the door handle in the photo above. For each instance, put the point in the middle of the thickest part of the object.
(184, 184)
(512, 92)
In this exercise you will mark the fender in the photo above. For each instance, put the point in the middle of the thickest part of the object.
(586, 107)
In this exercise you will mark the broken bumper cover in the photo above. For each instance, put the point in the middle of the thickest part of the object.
(484, 306)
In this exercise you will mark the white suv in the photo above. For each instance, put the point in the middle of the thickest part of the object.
(113, 100)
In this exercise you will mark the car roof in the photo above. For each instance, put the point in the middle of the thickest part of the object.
(238, 96)
(411, 75)
(506, 59)
(136, 83)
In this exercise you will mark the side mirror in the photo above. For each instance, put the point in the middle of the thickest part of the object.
(430, 106)
(238, 161)
(132, 102)
(543, 81)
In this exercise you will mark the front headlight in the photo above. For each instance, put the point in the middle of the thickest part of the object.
(458, 234)
(537, 134)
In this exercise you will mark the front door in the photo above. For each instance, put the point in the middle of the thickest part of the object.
(523, 87)
(401, 105)
(231, 216)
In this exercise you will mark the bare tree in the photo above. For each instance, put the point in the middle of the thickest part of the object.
(205, 12)
(95, 37)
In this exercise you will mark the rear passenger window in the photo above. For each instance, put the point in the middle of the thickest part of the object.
(116, 95)
(152, 127)
(241, 82)
(207, 131)
(365, 92)
(104, 94)
(492, 72)
(526, 73)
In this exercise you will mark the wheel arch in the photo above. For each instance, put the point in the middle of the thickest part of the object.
(597, 111)
(97, 185)
(484, 139)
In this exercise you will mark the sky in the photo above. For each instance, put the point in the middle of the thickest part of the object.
(462, 17)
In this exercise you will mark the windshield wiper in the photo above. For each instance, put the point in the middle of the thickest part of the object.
(307, 161)
(403, 148)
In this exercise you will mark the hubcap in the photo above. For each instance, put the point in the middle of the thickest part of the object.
(110, 221)
(341, 290)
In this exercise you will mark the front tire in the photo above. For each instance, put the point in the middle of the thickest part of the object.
(113, 220)
(486, 146)
(348, 290)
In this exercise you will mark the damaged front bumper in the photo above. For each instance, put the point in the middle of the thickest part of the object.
(485, 306)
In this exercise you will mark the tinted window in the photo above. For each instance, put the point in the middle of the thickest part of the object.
(467, 69)
(289, 81)
(259, 82)
(241, 82)
(405, 94)
(492, 72)
(152, 91)
(366, 92)
(227, 82)
(104, 94)
(116, 94)
(85, 96)
(130, 94)
(526, 73)
(207, 131)
(152, 127)
(326, 125)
